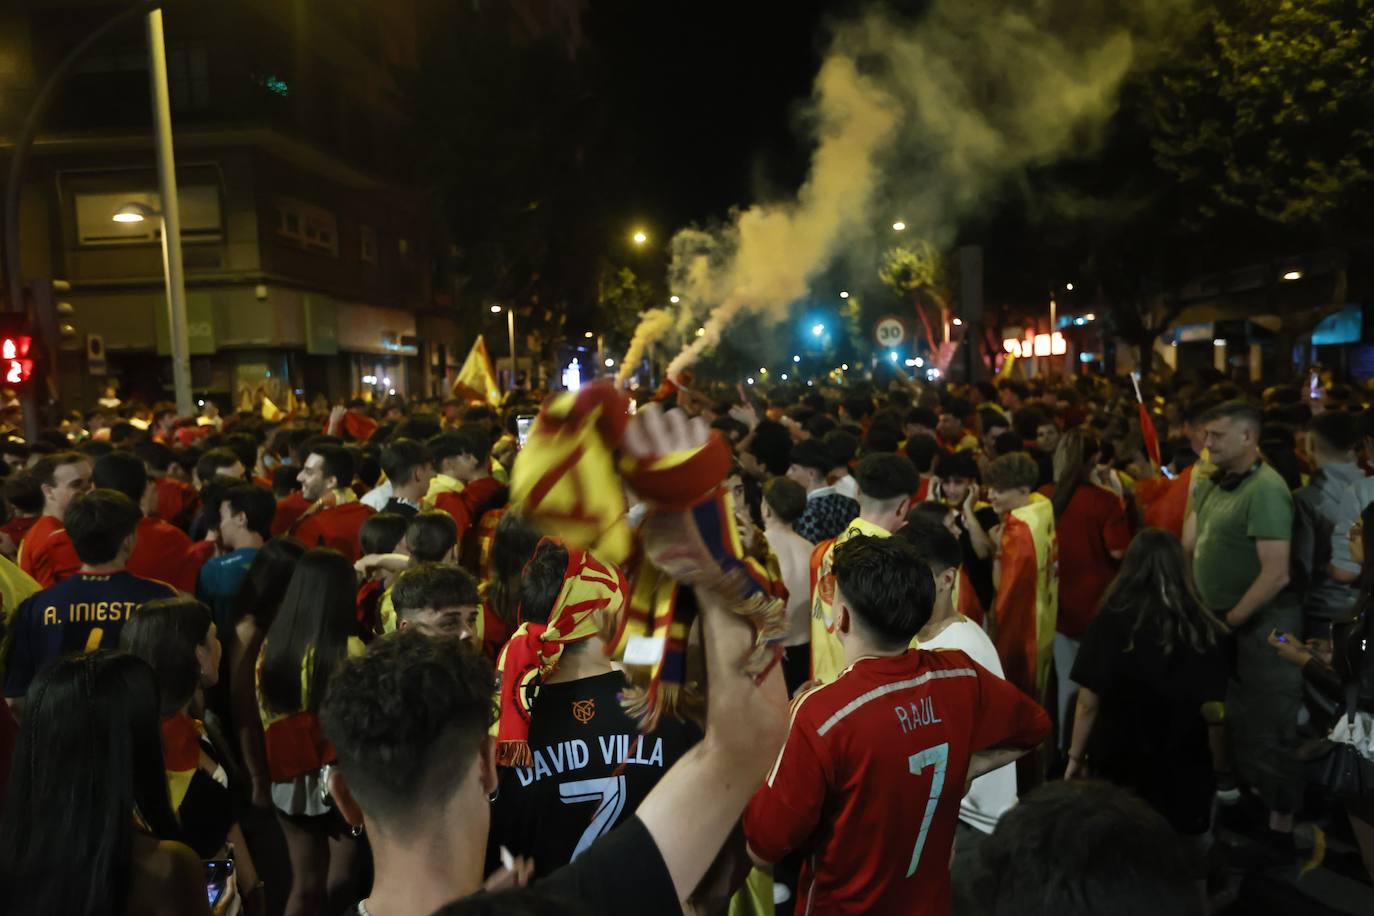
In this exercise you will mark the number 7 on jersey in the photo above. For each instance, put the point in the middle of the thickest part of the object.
(938, 757)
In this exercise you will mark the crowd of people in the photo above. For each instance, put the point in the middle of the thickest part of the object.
(1015, 647)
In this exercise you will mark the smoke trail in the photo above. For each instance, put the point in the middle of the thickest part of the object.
(652, 327)
(925, 122)
(778, 248)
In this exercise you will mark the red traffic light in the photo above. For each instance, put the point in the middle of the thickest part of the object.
(15, 363)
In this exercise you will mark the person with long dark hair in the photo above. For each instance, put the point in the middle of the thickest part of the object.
(310, 637)
(255, 607)
(1347, 674)
(1093, 532)
(1149, 661)
(88, 827)
(178, 638)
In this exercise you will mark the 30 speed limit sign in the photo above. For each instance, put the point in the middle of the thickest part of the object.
(890, 331)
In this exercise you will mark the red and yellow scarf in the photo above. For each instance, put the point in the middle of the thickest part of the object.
(591, 588)
(568, 481)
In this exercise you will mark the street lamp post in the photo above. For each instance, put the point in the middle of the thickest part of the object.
(171, 217)
(176, 305)
(510, 329)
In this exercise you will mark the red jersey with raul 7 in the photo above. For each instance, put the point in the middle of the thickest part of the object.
(867, 786)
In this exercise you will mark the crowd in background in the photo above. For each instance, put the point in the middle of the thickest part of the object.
(335, 650)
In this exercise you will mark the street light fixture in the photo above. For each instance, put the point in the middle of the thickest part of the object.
(133, 212)
(589, 335)
(640, 237)
(844, 294)
(496, 309)
(674, 299)
(609, 362)
(957, 322)
(1069, 287)
(899, 226)
(817, 329)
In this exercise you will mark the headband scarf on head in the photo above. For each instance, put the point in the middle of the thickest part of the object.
(591, 589)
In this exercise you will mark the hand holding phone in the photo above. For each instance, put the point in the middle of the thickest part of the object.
(522, 428)
(218, 873)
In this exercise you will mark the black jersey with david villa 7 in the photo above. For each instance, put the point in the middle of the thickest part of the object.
(590, 770)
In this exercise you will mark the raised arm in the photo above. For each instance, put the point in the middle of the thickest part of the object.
(694, 808)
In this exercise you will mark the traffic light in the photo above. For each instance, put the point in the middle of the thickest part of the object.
(16, 356)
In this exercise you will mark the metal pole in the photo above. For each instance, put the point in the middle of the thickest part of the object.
(510, 328)
(171, 217)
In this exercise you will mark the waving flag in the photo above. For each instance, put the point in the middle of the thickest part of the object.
(477, 379)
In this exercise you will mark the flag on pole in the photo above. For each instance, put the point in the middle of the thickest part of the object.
(245, 400)
(477, 379)
(1147, 426)
(270, 411)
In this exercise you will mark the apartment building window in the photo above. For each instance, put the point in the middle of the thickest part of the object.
(198, 205)
(188, 75)
(188, 70)
(367, 244)
(311, 227)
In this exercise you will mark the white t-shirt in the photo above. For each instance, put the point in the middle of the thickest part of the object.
(992, 794)
(377, 498)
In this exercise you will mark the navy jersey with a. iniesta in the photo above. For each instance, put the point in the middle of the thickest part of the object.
(79, 614)
(591, 770)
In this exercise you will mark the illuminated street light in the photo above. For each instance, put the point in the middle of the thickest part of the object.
(750, 380)
(911, 364)
(589, 335)
(496, 309)
(920, 362)
(701, 332)
(844, 367)
(817, 329)
(784, 376)
(762, 371)
(1069, 287)
(899, 226)
(640, 237)
(1090, 317)
(957, 322)
(893, 356)
(796, 359)
(133, 213)
(609, 362)
(1293, 275)
(1219, 342)
(844, 294)
(674, 299)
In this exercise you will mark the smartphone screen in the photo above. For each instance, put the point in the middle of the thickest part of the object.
(217, 872)
(522, 428)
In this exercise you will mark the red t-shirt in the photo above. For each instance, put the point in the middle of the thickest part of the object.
(19, 526)
(1093, 524)
(868, 785)
(336, 527)
(161, 552)
(32, 550)
(176, 500)
(289, 509)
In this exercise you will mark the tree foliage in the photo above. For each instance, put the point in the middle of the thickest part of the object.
(1270, 110)
(918, 273)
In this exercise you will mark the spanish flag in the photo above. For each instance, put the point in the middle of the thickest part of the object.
(827, 654)
(1027, 602)
(270, 411)
(477, 379)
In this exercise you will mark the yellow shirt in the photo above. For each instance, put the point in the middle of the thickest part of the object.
(827, 654)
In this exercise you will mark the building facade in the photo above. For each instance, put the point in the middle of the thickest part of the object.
(310, 250)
